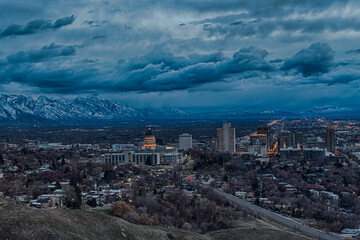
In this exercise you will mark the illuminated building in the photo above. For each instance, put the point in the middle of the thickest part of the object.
(262, 137)
(330, 139)
(132, 157)
(171, 158)
(226, 138)
(258, 138)
(149, 140)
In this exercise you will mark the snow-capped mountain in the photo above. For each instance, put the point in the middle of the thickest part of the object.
(18, 108)
(21, 108)
(331, 111)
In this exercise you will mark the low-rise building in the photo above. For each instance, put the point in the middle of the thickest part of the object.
(131, 157)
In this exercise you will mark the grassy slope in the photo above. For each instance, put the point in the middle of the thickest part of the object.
(17, 222)
(255, 229)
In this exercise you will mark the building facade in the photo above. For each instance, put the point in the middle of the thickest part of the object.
(314, 153)
(130, 157)
(286, 139)
(226, 138)
(330, 139)
(185, 141)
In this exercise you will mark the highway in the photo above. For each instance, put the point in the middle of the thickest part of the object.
(285, 221)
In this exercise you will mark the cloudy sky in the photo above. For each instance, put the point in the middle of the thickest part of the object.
(193, 54)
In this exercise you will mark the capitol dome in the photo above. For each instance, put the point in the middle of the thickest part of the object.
(149, 140)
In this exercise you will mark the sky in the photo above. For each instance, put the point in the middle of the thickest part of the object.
(192, 54)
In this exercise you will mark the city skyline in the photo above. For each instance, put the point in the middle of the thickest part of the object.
(192, 54)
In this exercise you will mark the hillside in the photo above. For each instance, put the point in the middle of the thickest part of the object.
(254, 229)
(17, 222)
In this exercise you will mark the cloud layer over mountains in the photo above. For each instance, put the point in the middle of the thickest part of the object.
(184, 53)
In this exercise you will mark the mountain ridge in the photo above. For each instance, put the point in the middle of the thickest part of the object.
(19, 109)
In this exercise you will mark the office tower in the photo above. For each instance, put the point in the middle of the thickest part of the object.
(185, 141)
(149, 140)
(226, 138)
(286, 138)
(330, 139)
(298, 138)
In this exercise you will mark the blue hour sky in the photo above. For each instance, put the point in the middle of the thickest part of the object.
(196, 54)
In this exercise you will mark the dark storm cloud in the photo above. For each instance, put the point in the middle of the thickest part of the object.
(237, 28)
(343, 79)
(264, 27)
(151, 48)
(244, 60)
(163, 55)
(255, 7)
(47, 52)
(276, 60)
(320, 25)
(314, 60)
(61, 22)
(36, 26)
(223, 19)
(337, 77)
(353, 51)
(94, 23)
(161, 75)
(52, 81)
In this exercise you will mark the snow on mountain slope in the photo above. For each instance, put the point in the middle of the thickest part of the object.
(22, 109)
(17, 107)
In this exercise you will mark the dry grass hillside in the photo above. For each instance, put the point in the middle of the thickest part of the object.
(18, 222)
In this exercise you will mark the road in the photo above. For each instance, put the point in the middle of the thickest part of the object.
(285, 221)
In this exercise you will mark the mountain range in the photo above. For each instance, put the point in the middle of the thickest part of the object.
(19, 109)
(22, 109)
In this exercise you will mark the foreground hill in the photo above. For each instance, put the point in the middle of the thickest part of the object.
(255, 229)
(17, 222)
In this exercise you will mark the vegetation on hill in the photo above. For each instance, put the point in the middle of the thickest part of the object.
(18, 222)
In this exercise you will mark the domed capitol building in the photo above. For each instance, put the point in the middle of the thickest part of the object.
(149, 140)
(147, 154)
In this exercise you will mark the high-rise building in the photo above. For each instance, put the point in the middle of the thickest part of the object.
(286, 139)
(149, 140)
(298, 138)
(330, 139)
(185, 141)
(226, 138)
